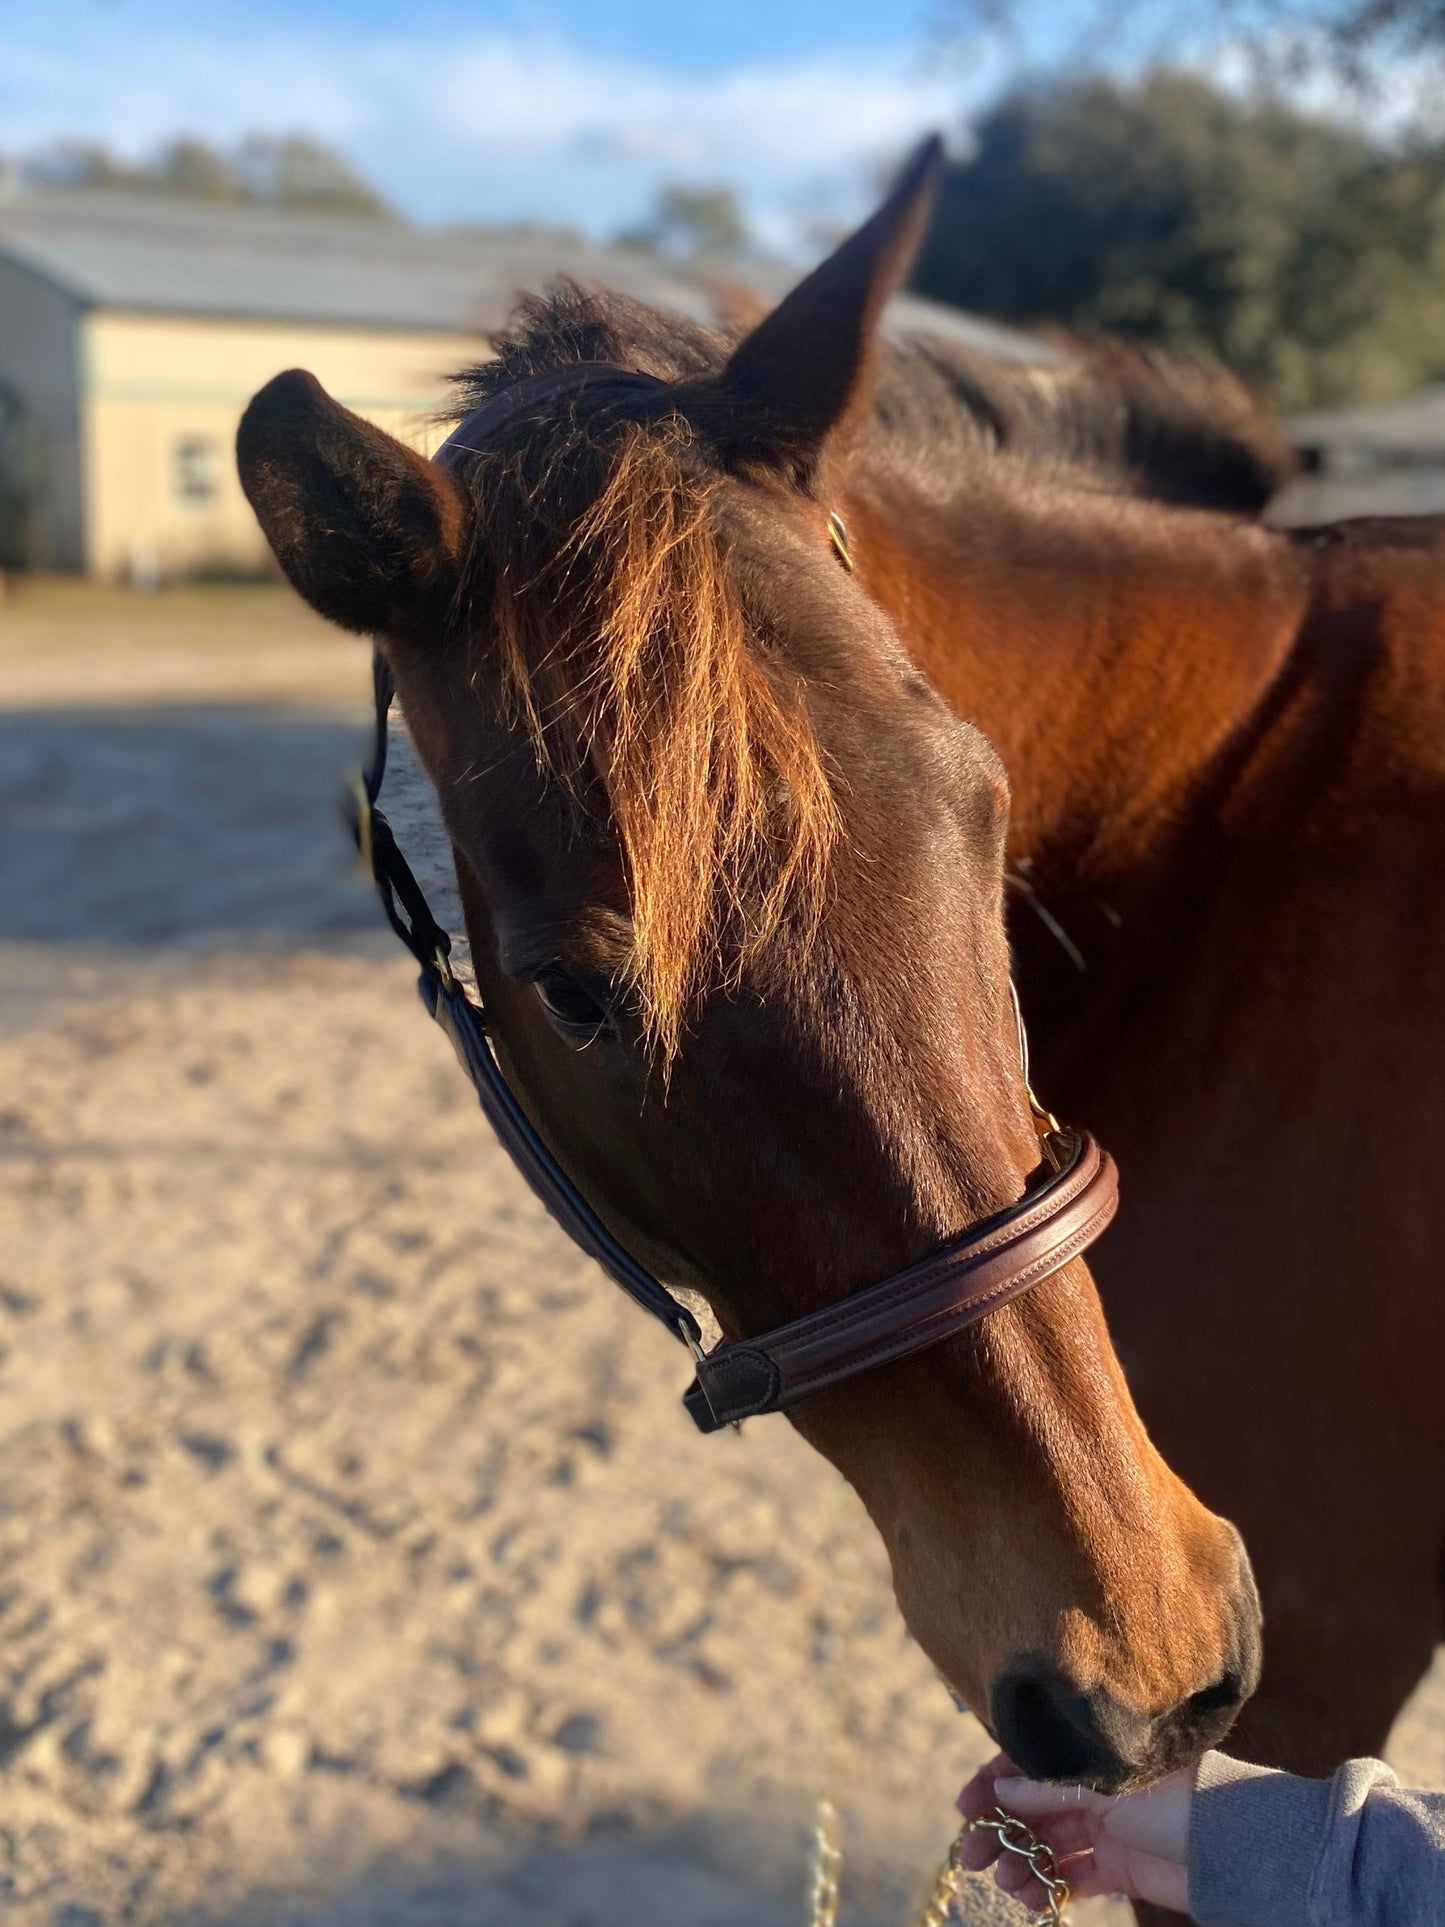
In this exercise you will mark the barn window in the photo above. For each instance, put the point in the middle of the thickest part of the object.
(198, 469)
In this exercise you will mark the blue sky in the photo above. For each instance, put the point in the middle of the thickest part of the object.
(567, 111)
(563, 110)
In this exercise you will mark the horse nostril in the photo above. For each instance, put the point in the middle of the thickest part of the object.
(1056, 1732)
(1226, 1695)
(1205, 1717)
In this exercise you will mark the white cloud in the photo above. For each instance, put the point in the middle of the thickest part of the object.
(499, 126)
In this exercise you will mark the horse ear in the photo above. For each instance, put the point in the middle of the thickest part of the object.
(806, 371)
(368, 531)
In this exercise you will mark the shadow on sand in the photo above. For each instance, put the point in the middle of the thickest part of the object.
(660, 1880)
(194, 826)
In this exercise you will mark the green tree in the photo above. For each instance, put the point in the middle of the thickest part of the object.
(193, 168)
(74, 163)
(690, 222)
(1358, 24)
(301, 174)
(291, 172)
(1283, 245)
(1350, 38)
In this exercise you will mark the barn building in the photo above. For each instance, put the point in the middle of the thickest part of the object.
(134, 328)
(1386, 458)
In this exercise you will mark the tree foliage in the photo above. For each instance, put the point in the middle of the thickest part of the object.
(1291, 249)
(1351, 39)
(1355, 27)
(688, 222)
(290, 172)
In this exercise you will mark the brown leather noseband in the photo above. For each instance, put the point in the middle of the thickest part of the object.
(937, 1298)
(1066, 1206)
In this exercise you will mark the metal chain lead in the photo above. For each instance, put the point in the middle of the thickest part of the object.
(1013, 1836)
(838, 1615)
(947, 1889)
(827, 1865)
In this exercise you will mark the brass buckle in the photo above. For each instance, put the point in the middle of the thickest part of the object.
(1048, 1130)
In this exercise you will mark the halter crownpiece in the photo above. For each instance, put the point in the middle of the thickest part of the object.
(1068, 1203)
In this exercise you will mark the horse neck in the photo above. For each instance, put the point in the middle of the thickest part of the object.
(1130, 662)
(1117, 653)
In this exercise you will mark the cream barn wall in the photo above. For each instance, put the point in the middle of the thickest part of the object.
(155, 388)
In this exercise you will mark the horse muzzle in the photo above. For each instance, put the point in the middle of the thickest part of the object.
(1054, 1729)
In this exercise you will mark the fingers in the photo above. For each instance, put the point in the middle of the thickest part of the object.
(1012, 1877)
(979, 1797)
(980, 1850)
(977, 1851)
(1066, 1833)
(1067, 1818)
(1135, 1844)
(1034, 1799)
(1074, 1833)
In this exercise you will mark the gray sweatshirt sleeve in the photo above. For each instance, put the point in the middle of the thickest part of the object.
(1269, 1850)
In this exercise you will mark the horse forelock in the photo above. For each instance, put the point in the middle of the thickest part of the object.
(602, 593)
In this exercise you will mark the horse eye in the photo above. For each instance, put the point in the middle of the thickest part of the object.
(570, 1005)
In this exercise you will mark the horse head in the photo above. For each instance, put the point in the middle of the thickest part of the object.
(733, 877)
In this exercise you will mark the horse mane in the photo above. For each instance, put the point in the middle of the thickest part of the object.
(1123, 416)
(604, 592)
(602, 587)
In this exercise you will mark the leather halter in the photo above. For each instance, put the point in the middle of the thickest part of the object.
(1068, 1203)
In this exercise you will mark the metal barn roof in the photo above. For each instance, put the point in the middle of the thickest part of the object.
(1412, 426)
(118, 249)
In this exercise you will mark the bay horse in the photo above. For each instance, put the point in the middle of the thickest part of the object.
(732, 871)
(731, 834)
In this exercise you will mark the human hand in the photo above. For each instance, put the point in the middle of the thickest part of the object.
(1125, 1843)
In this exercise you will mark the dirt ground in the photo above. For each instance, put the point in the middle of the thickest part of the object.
(356, 1562)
